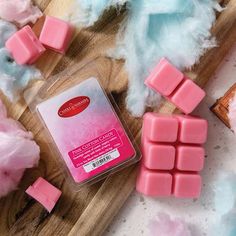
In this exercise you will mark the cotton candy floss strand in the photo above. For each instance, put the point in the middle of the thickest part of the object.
(152, 30)
(21, 12)
(163, 225)
(18, 151)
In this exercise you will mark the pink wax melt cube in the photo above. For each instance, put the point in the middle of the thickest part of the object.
(56, 34)
(154, 183)
(192, 130)
(163, 156)
(164, 78)
(187, 185)
(188, 96)
(45, 193)
(190, 158)
(171, 83)
(160, 128)
(25, 46)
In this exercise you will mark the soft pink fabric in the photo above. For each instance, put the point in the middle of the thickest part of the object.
(45, 193)
(232, 113)
(25, 46)
(21, 12)
(163, 225)
(171, 83)
(18, 151)
(56, 34)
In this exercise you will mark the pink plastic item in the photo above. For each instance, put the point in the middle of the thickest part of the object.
(45, 193)
(171, 83)
(182, 153)
(25, 46)
(56, 34)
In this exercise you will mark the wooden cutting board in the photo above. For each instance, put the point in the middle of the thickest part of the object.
(90, 211)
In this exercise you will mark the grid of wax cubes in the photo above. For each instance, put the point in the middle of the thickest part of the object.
(172, 83)
(172, 155)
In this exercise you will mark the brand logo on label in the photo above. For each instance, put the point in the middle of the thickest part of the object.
(74, 106)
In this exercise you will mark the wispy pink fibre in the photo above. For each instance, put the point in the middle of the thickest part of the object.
(163, 225)
(21, 12)
(18, 151)
(232, 113)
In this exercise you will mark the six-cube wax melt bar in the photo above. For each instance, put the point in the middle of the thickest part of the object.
(175, 86)
(26, 48)
(172, 155)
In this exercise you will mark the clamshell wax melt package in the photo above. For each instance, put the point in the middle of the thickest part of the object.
(86, 131)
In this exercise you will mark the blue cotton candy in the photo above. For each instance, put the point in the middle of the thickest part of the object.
(176, 29)
(14, 78)
(225, 205)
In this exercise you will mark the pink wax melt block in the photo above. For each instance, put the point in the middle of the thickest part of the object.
(155, 184)
(173, 151)
(192, 129)
(56, 34)
(190, 158)
(87, 132)
(25, 46)
(188, 96)
(171, 83)
(160, 128)
(45, 193)
(187, 185)
(164, 78)
(161, 157)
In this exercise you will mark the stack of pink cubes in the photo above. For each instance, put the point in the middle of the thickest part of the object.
(171, 145)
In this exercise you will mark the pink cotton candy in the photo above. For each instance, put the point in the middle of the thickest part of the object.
(232, 113)
(18, 151)
(163, 225)
(19, 11)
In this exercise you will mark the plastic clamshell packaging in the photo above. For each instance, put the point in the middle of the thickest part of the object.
(87, 132)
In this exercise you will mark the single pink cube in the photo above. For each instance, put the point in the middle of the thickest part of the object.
(193, 130)
(45, 193)
(25, 46)
(188, 96)
(164, 78)
(56, 34)
(155, 184)
(187, 185)
(160, 128)
(159, 157)
(190, 158)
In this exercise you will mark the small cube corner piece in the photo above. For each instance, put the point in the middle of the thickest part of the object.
(25, 46)
(172, 154)
(56, 34)
(45, 193)
(175, 86)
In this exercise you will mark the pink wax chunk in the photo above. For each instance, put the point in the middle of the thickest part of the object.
(25, 46)
(56, 34)
(190, 158)
(188, 96)
(164, 78)
(155, 184)
(45, 193)
(160, 128)
(170, 144)
(171, 83)
(187, 185)
(192, 130)
(160, 157)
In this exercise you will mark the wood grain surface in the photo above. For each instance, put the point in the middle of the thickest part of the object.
(90, 211)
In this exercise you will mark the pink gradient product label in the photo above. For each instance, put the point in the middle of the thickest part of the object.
(86, 130)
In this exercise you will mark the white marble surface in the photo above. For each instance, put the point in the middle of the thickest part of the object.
(134, 217)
